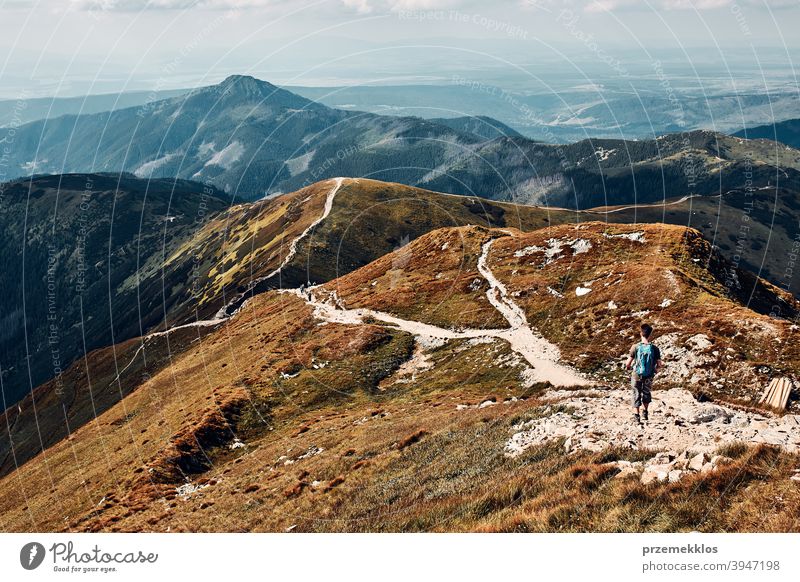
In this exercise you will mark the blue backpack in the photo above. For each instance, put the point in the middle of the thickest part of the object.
(645, 360)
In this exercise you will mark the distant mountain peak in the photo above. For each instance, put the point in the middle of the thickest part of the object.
(236, 89)
(246, 85)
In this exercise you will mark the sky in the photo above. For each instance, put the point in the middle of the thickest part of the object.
(75, 47)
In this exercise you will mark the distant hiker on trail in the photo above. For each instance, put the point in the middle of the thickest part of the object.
(645, 360)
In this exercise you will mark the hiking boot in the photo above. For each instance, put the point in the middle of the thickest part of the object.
(636, 419)
(645, 415)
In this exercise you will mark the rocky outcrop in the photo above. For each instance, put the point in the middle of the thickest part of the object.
(668, 466)
(596, 419)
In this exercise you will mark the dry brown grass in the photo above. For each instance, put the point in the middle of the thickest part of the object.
(344, 447)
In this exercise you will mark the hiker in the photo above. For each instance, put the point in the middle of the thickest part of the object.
(644, 360)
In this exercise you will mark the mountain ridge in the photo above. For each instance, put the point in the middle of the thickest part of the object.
(337, 403)
(252, 138)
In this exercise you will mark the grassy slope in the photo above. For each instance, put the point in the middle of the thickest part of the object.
(369, 218)
(235, 247)
(674, 280)
(759, 227)
(85, 390)
(80, 264)
(673, 264)
(333, 441)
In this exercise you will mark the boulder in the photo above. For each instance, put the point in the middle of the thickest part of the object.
(663, 458)
(629, 472)
(675, 475)
(653, 475)
(682, 461)
(627, 468)
(696, 463)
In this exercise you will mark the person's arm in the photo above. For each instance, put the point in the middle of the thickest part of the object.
(631, 355)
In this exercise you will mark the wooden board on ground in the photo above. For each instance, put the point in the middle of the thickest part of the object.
(777, 393)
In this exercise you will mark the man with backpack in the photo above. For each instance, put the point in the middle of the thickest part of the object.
(645, 360)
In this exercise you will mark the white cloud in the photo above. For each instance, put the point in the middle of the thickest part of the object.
(385, 6)
(599, 6)
(139, 5)
(360, 6)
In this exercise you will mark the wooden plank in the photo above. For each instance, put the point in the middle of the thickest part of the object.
(784, 397)
(777, 393)
(773, 397)
(766, 397)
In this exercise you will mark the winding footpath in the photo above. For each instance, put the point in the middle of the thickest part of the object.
(222, 315)
(293, 245)
(647, 206)
(540, 354)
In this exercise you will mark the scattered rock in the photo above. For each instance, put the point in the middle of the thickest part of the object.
(675, 475)
(664, 458)
(678, 422)
(697, 462)
(654, 475)
(710, 413)
(626, 468)
(186, 490)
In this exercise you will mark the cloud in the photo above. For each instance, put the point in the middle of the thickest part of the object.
(367, 6)
(140, 5)
(600, 6)
(386, 6)
(360, 6)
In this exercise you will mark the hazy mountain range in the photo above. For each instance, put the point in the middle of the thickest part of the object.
(253, 139)
(785, 132)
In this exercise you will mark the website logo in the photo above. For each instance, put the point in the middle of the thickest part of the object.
(31, 555)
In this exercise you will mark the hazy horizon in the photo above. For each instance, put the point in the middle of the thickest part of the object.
(108, 46)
